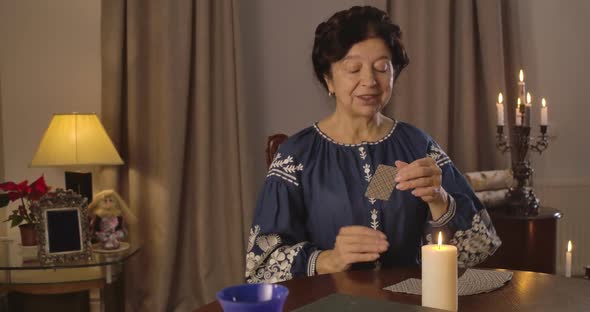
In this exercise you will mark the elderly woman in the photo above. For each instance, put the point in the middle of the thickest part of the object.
(313, 217)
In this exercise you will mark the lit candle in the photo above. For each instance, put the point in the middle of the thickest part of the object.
(439, 276)
(528, 99)
(543, 112)
(527, 110)
(500, 108)
(518, 113)
(568, 260)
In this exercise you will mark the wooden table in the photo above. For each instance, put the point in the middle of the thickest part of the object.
(528, 291)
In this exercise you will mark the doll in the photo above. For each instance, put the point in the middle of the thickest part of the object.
(110, 217)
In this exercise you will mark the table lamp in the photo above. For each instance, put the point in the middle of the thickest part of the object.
(76, 140)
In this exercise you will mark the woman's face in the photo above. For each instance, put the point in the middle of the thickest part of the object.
(362, 81)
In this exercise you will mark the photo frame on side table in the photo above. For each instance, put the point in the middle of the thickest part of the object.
(63, 229)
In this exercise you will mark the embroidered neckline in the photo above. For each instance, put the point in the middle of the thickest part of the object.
(325, 136)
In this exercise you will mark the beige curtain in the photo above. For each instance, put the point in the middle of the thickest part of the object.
(457, 67)
(171, 101)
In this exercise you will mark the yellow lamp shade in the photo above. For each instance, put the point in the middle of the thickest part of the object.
(75, 140)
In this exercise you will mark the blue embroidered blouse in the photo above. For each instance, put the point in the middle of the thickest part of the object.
(315, 186)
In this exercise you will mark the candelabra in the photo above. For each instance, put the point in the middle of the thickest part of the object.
(521, 199)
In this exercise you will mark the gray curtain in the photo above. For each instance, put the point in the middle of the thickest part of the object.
(458, 52)
(171, 102)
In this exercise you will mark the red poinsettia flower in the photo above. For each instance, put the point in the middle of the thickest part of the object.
(27, 193)
(37, 189)
(15, 191)
(10, 186)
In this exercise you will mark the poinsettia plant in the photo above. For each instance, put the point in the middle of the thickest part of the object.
(26, 194)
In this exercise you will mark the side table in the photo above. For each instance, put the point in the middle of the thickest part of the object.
(528, 242)
(30, 284)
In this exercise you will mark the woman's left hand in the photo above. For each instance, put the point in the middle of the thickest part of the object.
(424, 176)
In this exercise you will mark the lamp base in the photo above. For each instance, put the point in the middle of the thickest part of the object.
(81, 183)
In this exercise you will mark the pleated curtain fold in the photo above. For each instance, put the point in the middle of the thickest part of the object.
(171, 102)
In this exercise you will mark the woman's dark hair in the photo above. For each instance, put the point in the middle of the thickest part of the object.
(340, 32)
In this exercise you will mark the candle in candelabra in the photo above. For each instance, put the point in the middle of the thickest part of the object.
(500, 108)
(543, 112)
(439, 276)
(568, 260)
(528, 99)
(527, 110)
(521, 86)
(518, 120)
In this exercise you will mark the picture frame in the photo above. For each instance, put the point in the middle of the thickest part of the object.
(63, 230)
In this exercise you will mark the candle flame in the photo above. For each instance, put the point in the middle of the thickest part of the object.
(500, 98)
(543, 102)
(528, 98)
(569, 246)
(439, 239)
(521, 75)
(518, 102)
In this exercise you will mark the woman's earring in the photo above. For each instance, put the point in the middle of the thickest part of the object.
(331, 94)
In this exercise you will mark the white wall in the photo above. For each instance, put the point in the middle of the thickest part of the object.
(556, 51)
(49, 63)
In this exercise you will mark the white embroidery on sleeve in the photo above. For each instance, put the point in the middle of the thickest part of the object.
(285, 169)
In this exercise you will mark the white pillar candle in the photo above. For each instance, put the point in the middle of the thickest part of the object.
(543, 112)
(500, 109)
(439, 276)
(568, 260)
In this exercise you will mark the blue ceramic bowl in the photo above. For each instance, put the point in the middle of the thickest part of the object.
(253, 297)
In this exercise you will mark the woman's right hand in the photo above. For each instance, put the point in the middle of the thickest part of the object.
(354, 244)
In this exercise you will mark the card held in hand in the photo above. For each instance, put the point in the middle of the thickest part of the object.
(382, 183)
